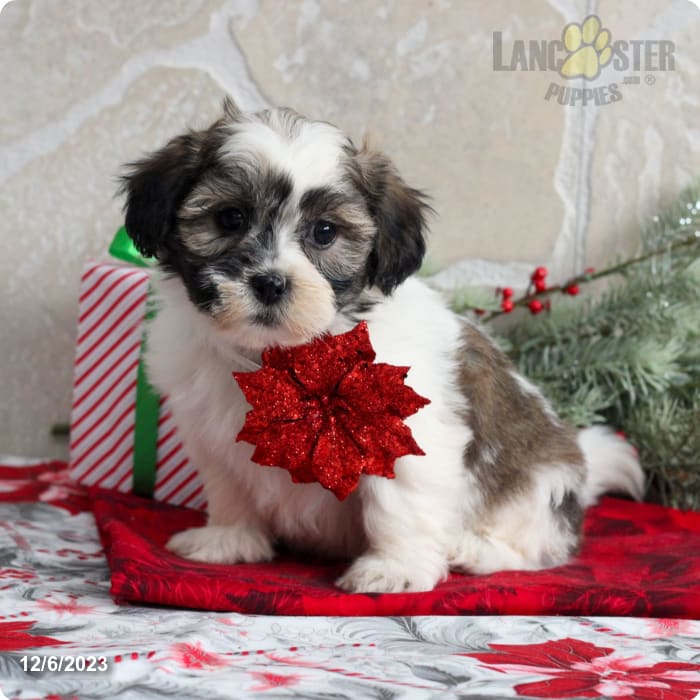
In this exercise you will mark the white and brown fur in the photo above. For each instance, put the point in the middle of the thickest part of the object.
(503, 483)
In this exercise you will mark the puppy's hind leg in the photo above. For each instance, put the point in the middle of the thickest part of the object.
(235, 533)
(536, 529)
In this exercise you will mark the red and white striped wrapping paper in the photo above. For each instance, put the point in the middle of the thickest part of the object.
(112, 306)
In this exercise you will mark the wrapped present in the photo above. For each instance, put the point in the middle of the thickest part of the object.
(122, 433)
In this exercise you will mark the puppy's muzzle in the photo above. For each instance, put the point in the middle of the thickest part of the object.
(269, 288)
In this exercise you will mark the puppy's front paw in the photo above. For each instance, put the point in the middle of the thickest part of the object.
(372, 573)
(219, 544)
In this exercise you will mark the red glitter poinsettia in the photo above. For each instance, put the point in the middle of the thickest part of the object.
(327, 412)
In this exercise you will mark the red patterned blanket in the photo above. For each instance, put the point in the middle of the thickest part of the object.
(637, 559)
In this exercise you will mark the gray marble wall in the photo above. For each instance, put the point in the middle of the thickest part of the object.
(516, 179)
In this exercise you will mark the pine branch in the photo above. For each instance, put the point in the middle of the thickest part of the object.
(586, 277)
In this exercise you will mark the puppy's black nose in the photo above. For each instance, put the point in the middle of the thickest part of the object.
(269, 288)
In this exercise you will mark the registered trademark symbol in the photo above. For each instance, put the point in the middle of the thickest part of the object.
(649, 79)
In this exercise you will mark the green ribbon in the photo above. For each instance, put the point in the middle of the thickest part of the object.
(147, 400)
(123, 248)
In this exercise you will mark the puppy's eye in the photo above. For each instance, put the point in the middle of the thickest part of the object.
(230, 220)
(323, 233)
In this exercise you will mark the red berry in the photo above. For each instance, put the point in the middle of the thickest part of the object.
(535, 306)
(573, 290)
(507, 305)
(539, 274)
(589, 270)
(507, 292)
(540, 285)
(479, 312)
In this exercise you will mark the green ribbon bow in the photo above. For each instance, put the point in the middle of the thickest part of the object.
(147, 400)
(123, 248)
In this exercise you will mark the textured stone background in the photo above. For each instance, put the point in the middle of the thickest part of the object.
(516, 180)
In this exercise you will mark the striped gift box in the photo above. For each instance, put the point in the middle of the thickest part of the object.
(103, 449)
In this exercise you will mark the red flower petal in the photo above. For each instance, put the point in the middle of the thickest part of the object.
(376, 388)
(320, 365)
(573, 685)
(15, 636)
(288, 401)
(387, 438)
(281, 444)
(334, 460)
(562, 653)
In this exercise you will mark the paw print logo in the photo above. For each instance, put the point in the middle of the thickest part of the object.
(588, 48)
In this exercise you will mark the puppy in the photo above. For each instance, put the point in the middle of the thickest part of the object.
(273, 229)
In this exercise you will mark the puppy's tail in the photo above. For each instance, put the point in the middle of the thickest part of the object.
(612, 465)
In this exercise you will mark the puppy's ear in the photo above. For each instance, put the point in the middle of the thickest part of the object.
(155, 187)
(231, 110)
(399, 213)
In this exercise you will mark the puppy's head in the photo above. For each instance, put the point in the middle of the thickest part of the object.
(274, 223)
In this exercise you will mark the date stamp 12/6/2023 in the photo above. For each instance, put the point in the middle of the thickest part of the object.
(80, 663)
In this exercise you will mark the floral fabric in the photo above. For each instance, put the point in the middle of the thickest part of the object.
(55, 602)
